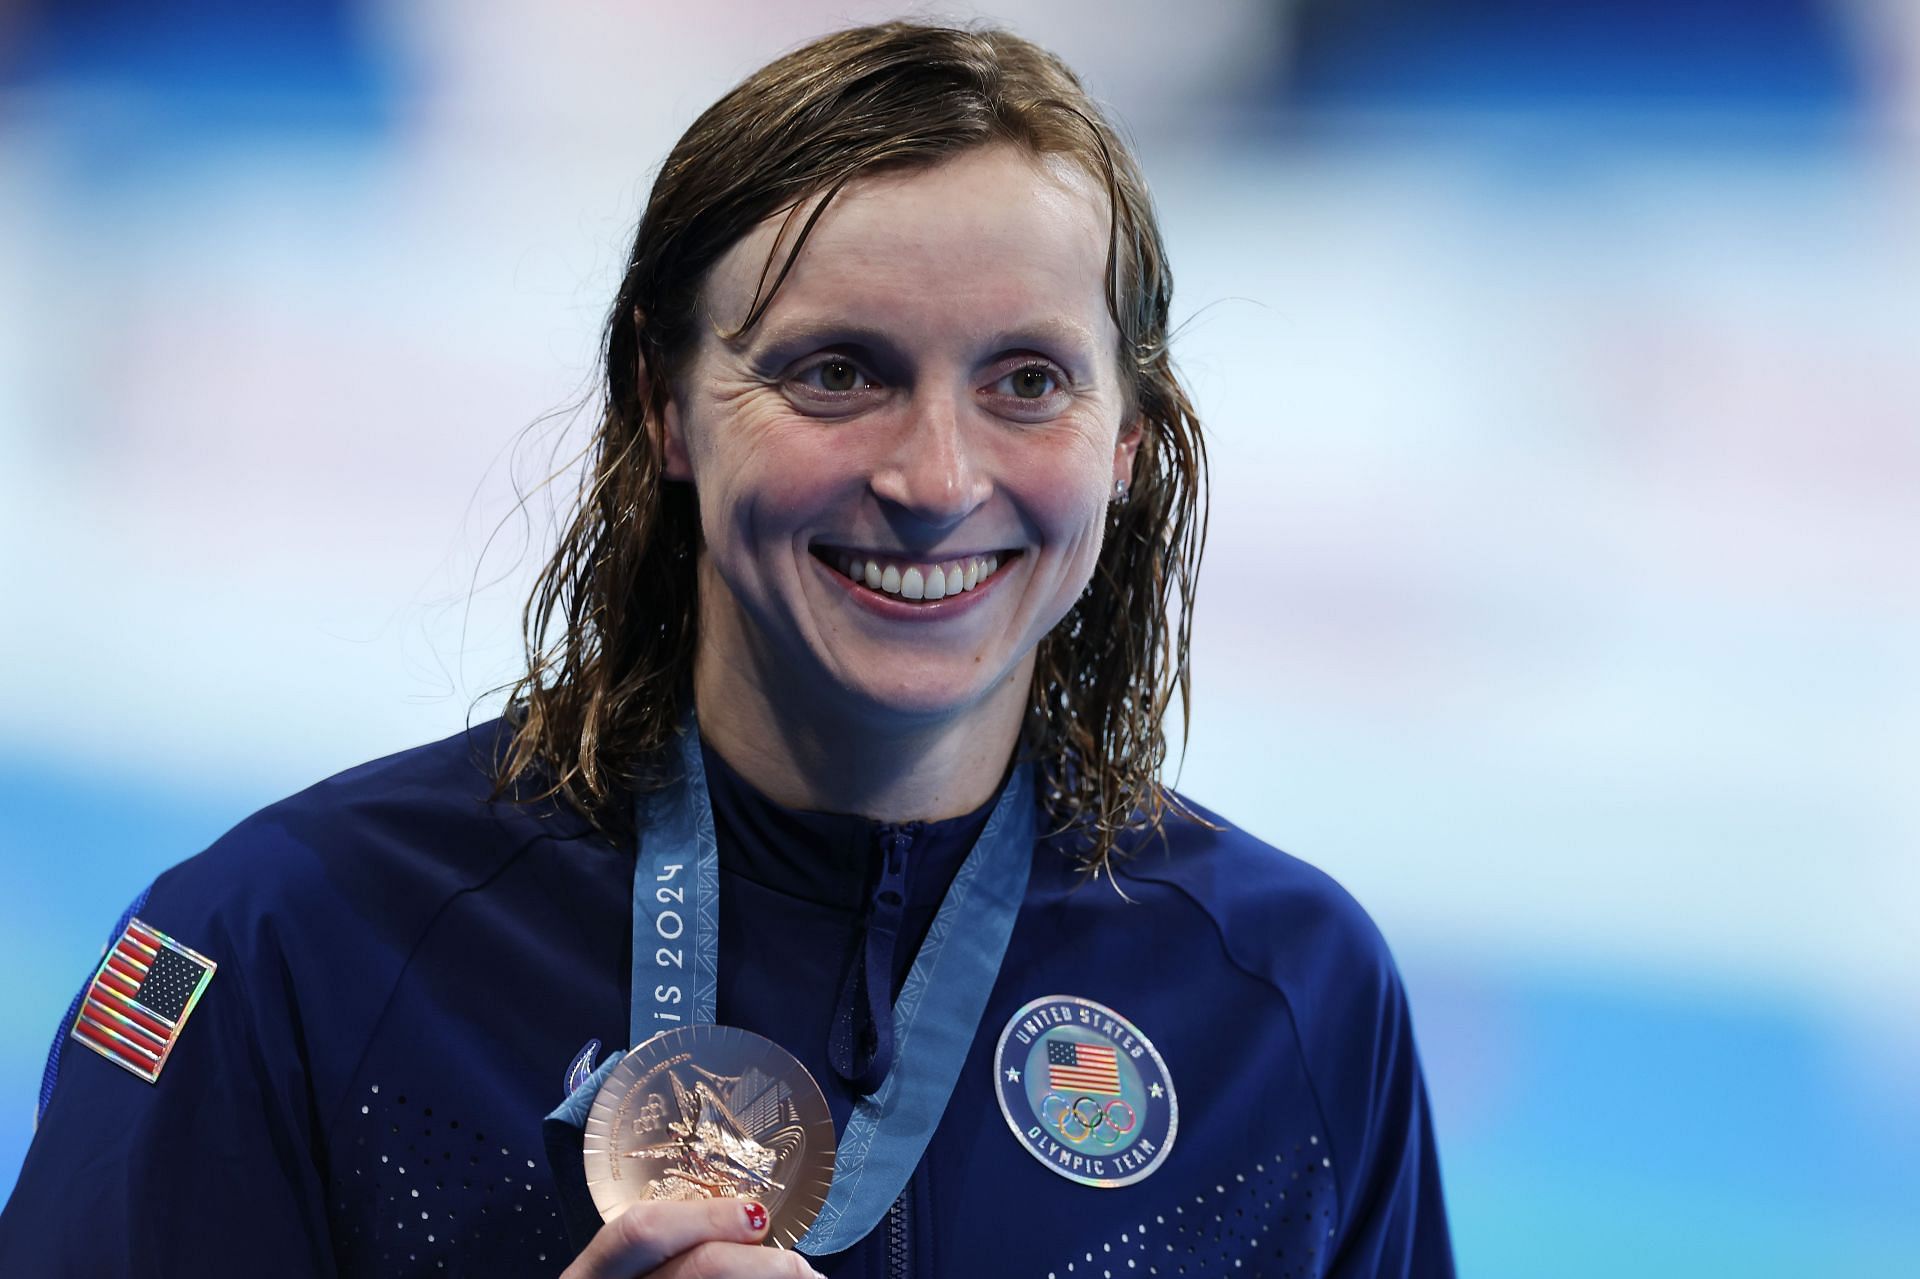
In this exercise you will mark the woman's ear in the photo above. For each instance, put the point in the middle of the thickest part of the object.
(1129, 443)
(668, 437)
(675, 462)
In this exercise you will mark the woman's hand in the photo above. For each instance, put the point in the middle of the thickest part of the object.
(705, 1239)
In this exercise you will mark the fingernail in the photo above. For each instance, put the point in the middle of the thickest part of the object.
(756, 1217)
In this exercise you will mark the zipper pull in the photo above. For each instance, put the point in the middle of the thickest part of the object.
(890, 894)
(860, 1044)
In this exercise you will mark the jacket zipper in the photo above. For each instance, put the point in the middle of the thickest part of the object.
(900, 1236)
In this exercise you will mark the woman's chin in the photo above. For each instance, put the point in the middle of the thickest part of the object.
(924, 693)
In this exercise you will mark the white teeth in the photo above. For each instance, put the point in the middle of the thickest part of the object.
(921, 581)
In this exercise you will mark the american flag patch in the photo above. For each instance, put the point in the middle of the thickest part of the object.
(143, 994)
(1082, 1068)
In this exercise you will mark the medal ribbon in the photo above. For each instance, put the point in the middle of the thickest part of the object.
(676, 902)
(676, 944)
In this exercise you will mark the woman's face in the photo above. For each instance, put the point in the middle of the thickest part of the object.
(903, 468)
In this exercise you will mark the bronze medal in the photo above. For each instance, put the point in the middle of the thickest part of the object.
(712, 1112)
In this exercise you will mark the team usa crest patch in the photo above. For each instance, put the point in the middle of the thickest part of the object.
(140, 999)
(1085, 1092)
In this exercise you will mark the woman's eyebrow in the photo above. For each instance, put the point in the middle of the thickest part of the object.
(1067, 336)
(796, 336)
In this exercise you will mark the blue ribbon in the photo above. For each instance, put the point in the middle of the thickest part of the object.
(676, 943)
(676, 902)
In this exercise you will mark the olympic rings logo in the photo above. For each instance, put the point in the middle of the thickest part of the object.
(1081, 1118)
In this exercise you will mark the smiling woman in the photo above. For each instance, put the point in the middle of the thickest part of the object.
(845, 685)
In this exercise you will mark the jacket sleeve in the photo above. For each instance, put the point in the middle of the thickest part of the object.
(1395, 1222)
(211, 1168)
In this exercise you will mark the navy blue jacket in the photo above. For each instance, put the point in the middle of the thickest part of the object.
(406, 973)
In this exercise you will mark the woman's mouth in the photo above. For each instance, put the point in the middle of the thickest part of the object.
(904, 579)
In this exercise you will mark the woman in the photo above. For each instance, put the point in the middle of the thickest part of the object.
(874, 606)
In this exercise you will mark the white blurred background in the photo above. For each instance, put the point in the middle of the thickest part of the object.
(1563, 594)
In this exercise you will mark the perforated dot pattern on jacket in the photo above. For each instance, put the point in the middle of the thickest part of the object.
(415, 1191)
(1275, 1219)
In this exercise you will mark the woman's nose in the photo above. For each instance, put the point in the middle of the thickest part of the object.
(933, 470)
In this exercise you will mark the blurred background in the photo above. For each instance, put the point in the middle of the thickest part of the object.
(1563, 595)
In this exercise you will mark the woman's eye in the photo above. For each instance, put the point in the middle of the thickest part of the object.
(834, 375)
(1033, 382)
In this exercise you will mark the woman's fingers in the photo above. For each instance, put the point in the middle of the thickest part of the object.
(736, 1261)
(649, 1235)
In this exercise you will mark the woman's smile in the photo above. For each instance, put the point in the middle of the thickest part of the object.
(924, 587)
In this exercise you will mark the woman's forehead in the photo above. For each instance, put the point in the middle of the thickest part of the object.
(994, 238)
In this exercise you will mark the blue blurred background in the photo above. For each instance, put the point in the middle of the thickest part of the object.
(1563, 597)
